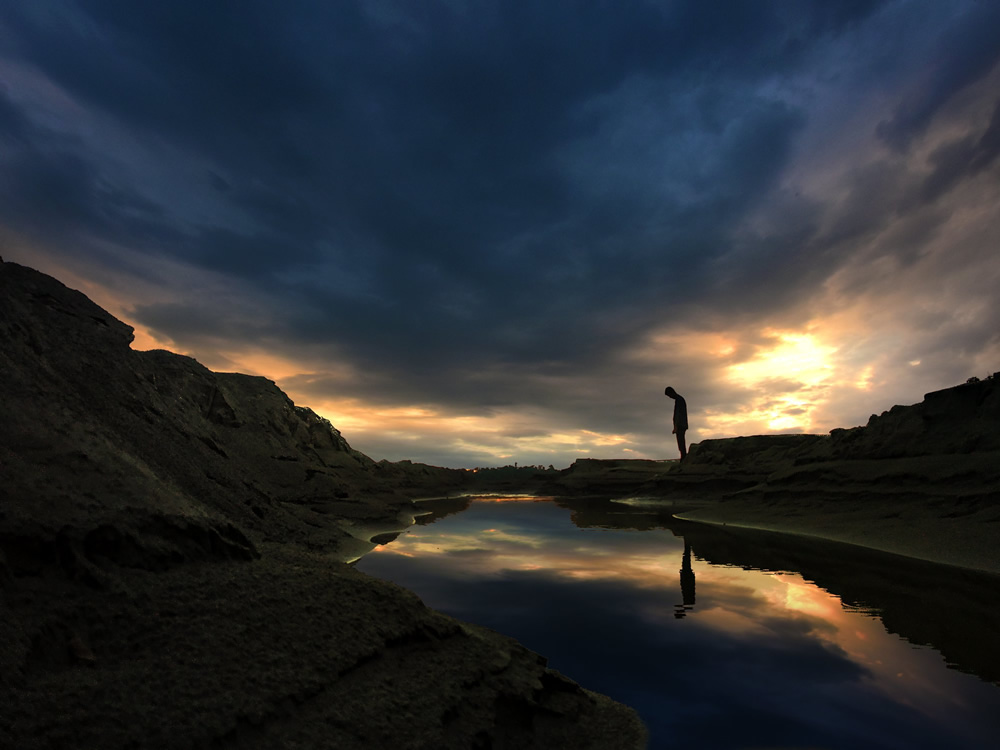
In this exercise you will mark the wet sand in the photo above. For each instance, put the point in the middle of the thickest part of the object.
(939, 508)
(966, 534)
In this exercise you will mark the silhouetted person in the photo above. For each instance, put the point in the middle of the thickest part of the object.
(687, 583)
(680, 418)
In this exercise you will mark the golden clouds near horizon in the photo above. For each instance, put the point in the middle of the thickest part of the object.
(789, 375)
(770, 380)
(796, 356)
(496, 437)
(145, 340)
(780, 380)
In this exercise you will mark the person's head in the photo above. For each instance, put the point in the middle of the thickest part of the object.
(668, 391)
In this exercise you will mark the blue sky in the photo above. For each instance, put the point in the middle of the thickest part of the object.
(474, 233)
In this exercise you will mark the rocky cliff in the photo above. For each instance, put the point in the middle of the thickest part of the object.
(920, 480)
(947, 445)
(172, 575)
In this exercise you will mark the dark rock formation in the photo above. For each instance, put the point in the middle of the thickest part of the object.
(960, 420)
(285, 651)
(948, 445)
(171, 575)
(922, 480)
(99, 436)
(605, 477)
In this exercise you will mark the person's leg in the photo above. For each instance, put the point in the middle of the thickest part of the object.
(680, 443)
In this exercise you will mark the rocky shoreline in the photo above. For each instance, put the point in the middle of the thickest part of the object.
(921, 481)
(172, 575)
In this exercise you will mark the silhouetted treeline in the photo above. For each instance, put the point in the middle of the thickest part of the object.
(521, 476)
(515, 470)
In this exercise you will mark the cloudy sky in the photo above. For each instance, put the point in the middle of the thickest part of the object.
(473, 233)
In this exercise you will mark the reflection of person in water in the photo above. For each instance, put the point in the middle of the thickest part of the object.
(687, 583)
(680, 418)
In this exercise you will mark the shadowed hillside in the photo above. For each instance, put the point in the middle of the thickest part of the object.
(171, 567)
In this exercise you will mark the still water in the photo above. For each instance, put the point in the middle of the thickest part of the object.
(718, 637)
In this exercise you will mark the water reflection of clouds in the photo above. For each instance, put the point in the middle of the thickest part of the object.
(503, 541)
(648, 664)
(767, 658)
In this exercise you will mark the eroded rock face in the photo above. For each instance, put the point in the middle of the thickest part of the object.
(960, 420)
(170, 567)
(947, 447)
(96, 435)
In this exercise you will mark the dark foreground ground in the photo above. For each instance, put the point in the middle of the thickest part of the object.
(173, 547)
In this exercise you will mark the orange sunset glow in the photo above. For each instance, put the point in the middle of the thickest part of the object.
(794, 242)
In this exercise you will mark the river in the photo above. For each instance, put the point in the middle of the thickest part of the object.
(719, 637)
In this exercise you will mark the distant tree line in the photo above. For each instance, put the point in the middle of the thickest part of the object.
(500, 472)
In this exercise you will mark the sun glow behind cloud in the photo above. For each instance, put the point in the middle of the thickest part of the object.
(794, 355)
(495, 438)
(778, 379)
(786, 374)
(759, 381)
(800, 363)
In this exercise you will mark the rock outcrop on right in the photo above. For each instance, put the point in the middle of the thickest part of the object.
(920, 480)
(947, 445)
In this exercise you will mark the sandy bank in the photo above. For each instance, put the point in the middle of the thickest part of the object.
(963, 534)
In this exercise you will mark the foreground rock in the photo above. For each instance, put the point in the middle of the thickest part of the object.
(171, 567)
(289, 650)
(106, 446)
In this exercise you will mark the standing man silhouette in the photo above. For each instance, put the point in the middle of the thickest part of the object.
(687, 584)
(680, 418)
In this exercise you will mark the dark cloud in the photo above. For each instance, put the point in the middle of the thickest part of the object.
(14, 126)
(962, 158)
(428, 138)
(966, 51)
(474, 204)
